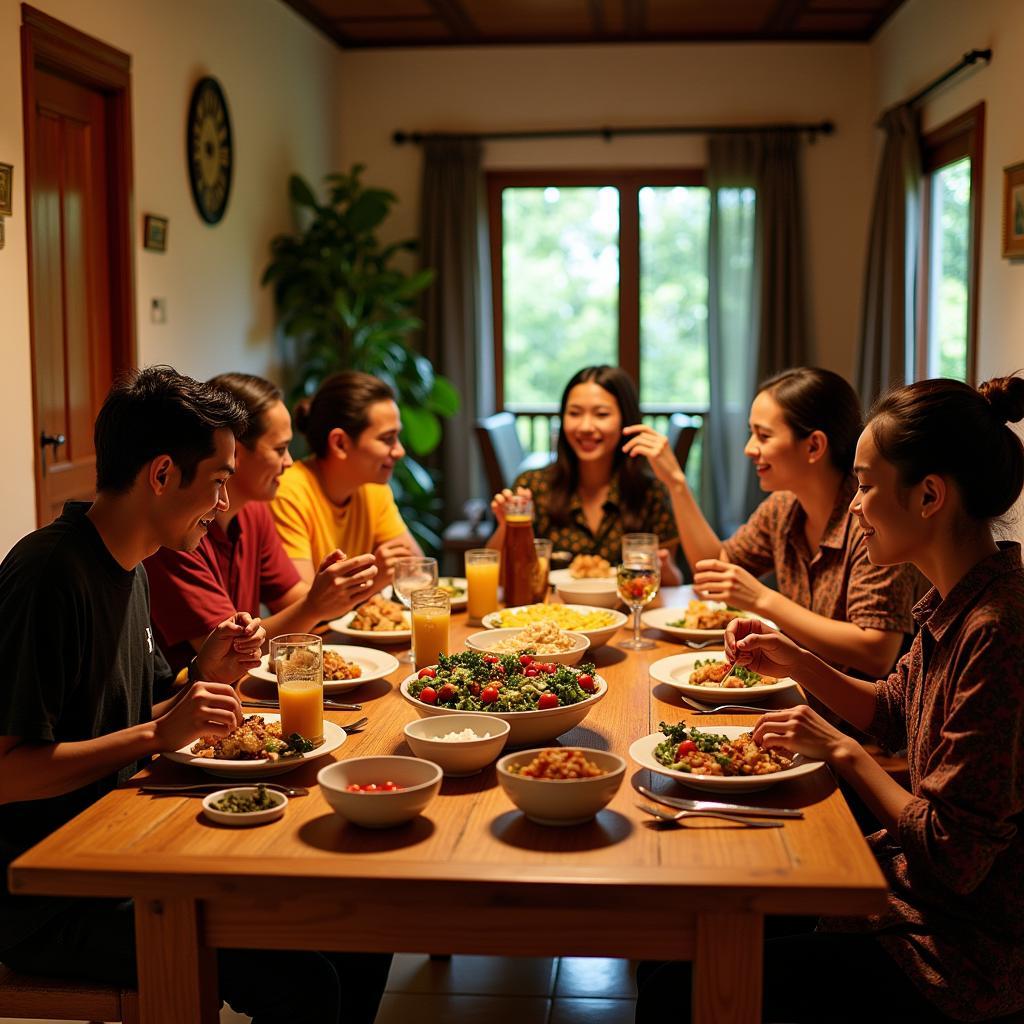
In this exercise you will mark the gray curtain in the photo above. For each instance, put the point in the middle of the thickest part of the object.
(757, 302)
(456, 308)
(887, 324)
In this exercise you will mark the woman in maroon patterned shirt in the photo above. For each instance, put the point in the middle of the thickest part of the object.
(804, 425)
(936, 465)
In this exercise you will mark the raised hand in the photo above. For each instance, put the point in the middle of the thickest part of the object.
(340, 584)
(499, 500)
(231, 649)
(715, 580)
(803, 731)
(751, 643)
(647, 442)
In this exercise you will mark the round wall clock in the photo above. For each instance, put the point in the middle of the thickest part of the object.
(209, 149)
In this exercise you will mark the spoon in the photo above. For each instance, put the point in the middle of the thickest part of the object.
(657, 812)
(357, 726)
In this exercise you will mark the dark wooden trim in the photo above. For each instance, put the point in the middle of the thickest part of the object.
(963, 136)
(628, 181)
(454, 17)
(50, 45)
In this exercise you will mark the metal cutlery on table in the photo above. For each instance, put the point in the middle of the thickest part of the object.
(684, 815)
(684, 804)
(703, 709)
(699, 645)
(195, 788)
(330, 705)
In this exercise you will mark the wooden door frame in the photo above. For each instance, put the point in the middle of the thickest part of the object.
(52, 46)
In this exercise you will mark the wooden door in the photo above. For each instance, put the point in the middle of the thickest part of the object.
(77, 210)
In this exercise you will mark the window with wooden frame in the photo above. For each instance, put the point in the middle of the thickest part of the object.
(599, 267)
(947, 321)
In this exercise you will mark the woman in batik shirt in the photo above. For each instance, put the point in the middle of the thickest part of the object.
(936, 465)
(828, 595)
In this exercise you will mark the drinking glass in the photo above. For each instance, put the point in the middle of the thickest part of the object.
(431, 619)
(540, 571)
(298, 663)
(482, 565)
(412, 574)
(638, 578)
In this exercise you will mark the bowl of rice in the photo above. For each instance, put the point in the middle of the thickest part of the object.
(461, 744)
(544, 639)
(598, 625)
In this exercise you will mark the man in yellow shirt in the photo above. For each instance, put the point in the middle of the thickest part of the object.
(339, 497)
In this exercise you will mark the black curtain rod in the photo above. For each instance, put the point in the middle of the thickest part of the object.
(965, 62)
(813, 130)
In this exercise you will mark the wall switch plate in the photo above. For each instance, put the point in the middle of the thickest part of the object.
(158, 311)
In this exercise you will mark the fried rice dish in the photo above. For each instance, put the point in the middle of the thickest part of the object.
(254, 740)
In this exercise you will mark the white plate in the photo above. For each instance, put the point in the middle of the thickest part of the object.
(236, 820)
(334, 736)
(659, 618)
(642, 751)
(675, 671)
(557, 576)
(379, 636)
(375, 665)
(597, 636)
(525, 727)
(459, 582)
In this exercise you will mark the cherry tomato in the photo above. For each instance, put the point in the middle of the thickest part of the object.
(428, 695)
(371, 787)
(490, 659)
(547, 700)
(447, 692)
(525, 659)
(531, 672)
(684, 748)
(426, 673)
(389, 786)
(354, 788)
(489, 694)
(587, 683)
(551, 668)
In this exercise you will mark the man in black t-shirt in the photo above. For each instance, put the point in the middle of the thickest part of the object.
(77, 709)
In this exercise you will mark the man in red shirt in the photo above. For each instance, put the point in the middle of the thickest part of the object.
(241, 563)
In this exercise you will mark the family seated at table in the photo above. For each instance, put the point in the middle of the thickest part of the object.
(935, 466)
(77, 714)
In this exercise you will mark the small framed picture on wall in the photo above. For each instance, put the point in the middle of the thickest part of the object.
(6, 190)
(154, 235)
(1013, 211)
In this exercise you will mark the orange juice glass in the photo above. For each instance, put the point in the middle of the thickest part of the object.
(298, 663)
(482, 566)
(431, 621)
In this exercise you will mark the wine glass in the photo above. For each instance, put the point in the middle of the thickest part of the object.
(412, 574)
(638, 579)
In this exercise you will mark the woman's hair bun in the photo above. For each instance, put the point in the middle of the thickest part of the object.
(1006, 397)
(300, 414)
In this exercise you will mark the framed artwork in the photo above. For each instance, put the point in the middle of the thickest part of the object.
(6, 190)
(155, 233)
(1013, 211)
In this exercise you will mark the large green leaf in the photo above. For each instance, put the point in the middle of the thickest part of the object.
(443, 399)
(421, 429)
(301, 194)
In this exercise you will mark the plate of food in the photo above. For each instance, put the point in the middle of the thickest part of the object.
(699, 620)
(455, 588)
(721, 759)
(703, 677)
(584, 567)
(599, 625)
(256, 749)
(345, 667)
(378, 620)
(539, 699)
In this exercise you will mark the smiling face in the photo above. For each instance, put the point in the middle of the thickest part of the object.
(779, 458)
(184, 514)
(259, 467)
(592, 423)
(371, 458)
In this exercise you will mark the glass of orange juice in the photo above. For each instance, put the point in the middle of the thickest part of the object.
(482, 565)
(297, 660)
(431, 619)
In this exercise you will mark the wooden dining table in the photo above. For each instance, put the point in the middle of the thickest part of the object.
(471, 875)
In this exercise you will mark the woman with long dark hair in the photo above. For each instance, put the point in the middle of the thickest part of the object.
(935, 466)
(593, 493)
(804, 425)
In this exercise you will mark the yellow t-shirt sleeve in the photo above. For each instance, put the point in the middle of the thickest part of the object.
(289, 509)
(387, 520)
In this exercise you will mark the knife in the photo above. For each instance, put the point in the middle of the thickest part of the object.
(331, 705)
(712, 805)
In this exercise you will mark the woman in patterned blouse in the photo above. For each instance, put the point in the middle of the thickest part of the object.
(831, 598)
(936, 465)
(593, 494)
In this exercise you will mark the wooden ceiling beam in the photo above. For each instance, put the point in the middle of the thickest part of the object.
(458, 22)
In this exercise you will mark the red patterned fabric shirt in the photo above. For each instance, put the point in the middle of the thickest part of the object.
(955, 867)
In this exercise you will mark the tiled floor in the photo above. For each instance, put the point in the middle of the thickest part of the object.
(494, 990)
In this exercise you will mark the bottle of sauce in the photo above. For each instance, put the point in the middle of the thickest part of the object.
(518, 557)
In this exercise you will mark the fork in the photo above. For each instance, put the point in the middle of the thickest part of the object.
(186, 789)
(657, 812)
(703, 709)
(699, 645)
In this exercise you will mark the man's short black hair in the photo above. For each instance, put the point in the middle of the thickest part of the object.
(158, 411)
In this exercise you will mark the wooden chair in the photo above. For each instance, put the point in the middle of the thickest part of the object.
(502, 451)
(28, 997)
(682, 432)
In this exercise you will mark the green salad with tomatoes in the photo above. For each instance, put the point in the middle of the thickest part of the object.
(470, 681)
(681, 740)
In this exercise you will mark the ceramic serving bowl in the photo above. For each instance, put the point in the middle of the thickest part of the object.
(488, 639)
(417, 781)
(237, 819)
(594, 592)
(461, 756)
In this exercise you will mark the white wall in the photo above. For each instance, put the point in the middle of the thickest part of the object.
(278, 74)
(490, 89)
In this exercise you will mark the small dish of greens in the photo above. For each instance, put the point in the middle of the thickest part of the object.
(244, 805)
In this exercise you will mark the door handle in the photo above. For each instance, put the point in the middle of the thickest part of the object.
(52, 439)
